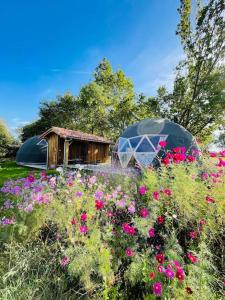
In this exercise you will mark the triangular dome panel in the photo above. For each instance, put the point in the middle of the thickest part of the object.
(145, 146)
(124, 158)
(145, 159)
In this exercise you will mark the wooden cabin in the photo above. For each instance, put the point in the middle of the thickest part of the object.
(67, 147)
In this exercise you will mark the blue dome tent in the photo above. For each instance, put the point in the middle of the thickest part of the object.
(139, 143)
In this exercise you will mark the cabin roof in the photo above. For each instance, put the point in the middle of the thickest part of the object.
(76, 135)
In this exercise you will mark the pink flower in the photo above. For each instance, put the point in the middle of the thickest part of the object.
(142, 190)
(180, 274)
(129, 252)
(157, 288)
(222, 153)
(144, 213)
(161, 269)
(93, 179)
(212, 154)
(83, 229)
(83, 217)
(168, 192)
(73, 221)
(99, 204)
(163, 144)
(128, 229)
(64, 261)
(160, 220)
(177, 264)
(209, 199)
(131, 209)
(151, 232)
(193, 235)
(169, 273)
(191, 158)
(166, 161)
(121, 203)
(192, 257)
(110, 214)
(155, 195)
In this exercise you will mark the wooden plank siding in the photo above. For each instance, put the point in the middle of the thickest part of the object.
(88, 152)
(97, 152)
(53, 142)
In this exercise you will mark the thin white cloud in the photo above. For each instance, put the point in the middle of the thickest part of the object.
(151, 72)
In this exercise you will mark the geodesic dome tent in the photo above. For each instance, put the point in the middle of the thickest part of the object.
(32, 151)
(139, 143)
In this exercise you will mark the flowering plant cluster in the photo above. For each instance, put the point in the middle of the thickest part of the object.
(137, 237)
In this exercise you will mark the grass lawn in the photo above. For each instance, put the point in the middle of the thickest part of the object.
(10, 170)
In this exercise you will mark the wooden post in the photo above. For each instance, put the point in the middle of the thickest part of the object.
(66, 153)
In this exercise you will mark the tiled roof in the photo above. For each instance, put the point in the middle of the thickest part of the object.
(77, 135)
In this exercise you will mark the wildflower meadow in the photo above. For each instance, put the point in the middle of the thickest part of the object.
(102, 236)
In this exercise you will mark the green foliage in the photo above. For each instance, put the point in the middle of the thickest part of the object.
(198, 100)
(7, 143)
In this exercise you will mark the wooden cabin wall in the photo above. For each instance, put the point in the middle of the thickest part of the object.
(97, 152)
(52, 150)
(79, 150)
(61, 151)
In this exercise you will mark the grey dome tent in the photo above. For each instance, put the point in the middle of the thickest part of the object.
(139, 143)
(32, 151)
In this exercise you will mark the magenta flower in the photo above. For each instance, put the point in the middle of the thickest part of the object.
(83, 229)
(192, 257)
(193, 234)
(64, 261)
(144, 213)
(155, 195)
(157, 288)
(83, 217)
(129, 252)
(169, 273)
(99, 204)
(168, 192)
(151, 232)
(128, 229)
(163, 144)
(142, 190)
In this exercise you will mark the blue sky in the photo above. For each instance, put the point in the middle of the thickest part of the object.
(49, 47)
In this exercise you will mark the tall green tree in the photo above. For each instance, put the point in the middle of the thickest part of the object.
(62, 112)
(6, 140)
(198, 99)
(108, 102)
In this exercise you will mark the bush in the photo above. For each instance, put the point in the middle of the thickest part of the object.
(116, 237)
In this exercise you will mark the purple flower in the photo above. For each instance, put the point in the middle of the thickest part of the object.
(169, 273)
(131, 209)
(29, 208)
(121, 203)
(7, 204)
(6, 221)
(16, 190)
(157, 288)
(92, 180)
(98, 195)
(79, 194)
